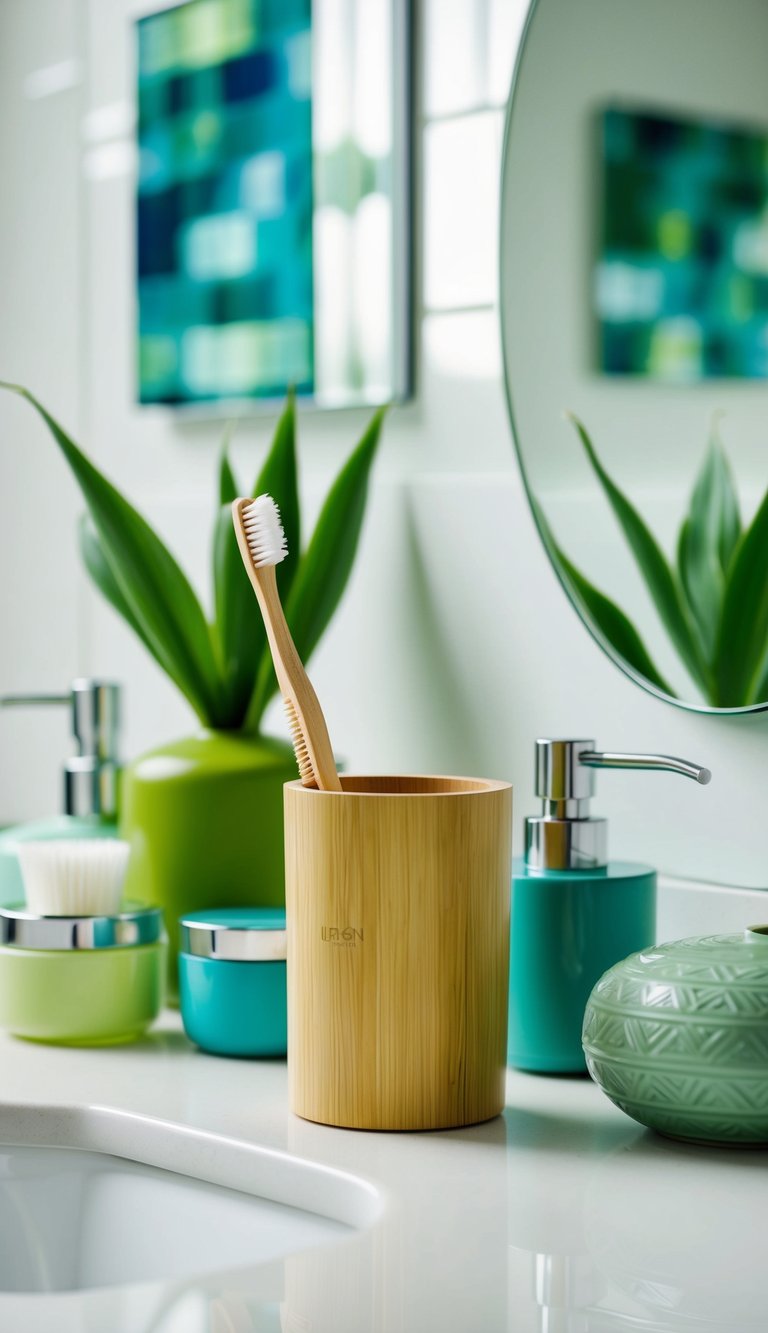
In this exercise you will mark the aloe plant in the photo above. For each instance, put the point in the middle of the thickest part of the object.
(711, 597)
(222, 666)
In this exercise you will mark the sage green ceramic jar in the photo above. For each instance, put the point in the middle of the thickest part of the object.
(677, 1036)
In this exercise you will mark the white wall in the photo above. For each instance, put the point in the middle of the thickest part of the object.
(40, 344)
(455, 646)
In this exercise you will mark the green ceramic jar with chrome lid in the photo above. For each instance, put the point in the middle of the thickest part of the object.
(81, 980)
(677, 1036)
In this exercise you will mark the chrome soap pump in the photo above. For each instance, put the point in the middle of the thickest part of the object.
(574, 913)
(90, 777)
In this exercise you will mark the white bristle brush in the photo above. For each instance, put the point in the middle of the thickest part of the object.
(77, 877)
(262, 545)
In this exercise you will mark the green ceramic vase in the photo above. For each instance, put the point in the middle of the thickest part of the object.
(677, 1037)
(204, 817)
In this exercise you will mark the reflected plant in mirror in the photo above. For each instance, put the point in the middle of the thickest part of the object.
(711, 596)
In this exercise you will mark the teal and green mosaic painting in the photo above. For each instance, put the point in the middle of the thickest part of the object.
(681, 284)
(224, 210)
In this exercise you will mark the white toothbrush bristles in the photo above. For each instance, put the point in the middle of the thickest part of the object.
(306, 771)
(264, 531)
(81, 877)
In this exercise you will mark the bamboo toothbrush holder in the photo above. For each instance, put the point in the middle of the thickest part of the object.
(397, 897)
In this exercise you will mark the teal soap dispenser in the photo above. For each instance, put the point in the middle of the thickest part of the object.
(574, 913)
(90, 777)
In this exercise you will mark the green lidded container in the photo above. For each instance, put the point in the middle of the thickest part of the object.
(81, 981)
(677, 1037)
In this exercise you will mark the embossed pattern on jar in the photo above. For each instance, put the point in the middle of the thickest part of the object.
(677, 1037)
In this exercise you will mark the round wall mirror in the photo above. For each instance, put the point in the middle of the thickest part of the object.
(634, 309)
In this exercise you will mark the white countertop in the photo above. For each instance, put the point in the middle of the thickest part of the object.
(561, 1216)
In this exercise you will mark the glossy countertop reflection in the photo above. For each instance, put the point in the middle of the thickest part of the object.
(561, 1216)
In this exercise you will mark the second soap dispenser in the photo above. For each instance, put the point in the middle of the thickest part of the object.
(574, 913)
(90, 784)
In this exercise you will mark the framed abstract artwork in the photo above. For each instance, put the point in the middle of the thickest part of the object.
(681, 282)
(273, 244)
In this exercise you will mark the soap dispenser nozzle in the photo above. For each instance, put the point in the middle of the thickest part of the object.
(90, 776)
(565, 836)
(664, 763)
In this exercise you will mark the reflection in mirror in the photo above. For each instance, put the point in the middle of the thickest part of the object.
(634, 306)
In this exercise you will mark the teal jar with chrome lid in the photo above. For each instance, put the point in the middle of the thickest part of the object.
(232, 981)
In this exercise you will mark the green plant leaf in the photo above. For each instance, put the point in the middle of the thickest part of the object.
(682, 546)
(742, 646)
(239, 633)
(608, 619)
(707, 541)
(327, 563)
(239, 626)
(761, 690)
(99, 569)
(278, 478)
(227, 482)
(160, 597)
(655, 570)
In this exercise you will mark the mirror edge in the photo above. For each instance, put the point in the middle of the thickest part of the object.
(592, 629)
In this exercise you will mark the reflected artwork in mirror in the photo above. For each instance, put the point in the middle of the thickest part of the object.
(681, 283)
(634, 316)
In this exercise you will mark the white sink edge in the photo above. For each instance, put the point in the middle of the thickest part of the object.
(693, 907)
(246, 1168)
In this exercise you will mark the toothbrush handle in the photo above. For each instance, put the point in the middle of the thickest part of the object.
(295, 685)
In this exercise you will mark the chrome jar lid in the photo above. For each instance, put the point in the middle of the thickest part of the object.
(236, 934)
(21, 929)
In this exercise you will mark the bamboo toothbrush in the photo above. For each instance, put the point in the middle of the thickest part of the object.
(262, 545)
